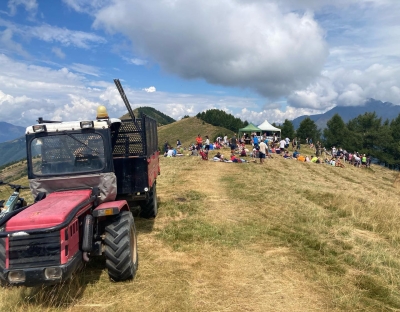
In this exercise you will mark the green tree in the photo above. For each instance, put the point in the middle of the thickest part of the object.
(335, 133)
(220, 118)
(367, 129)
(308, 129)
(287, 129)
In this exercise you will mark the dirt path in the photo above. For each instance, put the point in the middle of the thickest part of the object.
(259, 277)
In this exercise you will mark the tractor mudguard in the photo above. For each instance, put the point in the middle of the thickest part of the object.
(110, 208)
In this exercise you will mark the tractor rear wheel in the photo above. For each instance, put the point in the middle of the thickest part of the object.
(121, 247)
(149, 208)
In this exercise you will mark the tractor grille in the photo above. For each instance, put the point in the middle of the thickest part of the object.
(2, 253)
(34, 250)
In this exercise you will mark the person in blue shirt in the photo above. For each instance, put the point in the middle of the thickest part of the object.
(295, 154)
(255, 141)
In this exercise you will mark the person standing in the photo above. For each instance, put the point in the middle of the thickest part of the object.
(199, 142)
(287, 140)
(225, 140)
(166, 147)
(207, 147)
(255, 141)
(282, 144)
(298, 144)
(262, 151)
(294, 143)
(233, 143)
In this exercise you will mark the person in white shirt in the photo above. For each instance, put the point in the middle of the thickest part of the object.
(262, 151)
(282, 144)
(170, 152)
(207, 147)
(287, 142)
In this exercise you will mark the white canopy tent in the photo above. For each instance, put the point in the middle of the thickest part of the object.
(266, 127)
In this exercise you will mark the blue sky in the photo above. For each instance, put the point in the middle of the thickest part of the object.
(255, 59)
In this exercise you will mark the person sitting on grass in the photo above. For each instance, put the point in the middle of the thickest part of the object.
(286, 155)
(170, 152)
(315, 159)
(203, 154)
(237, 159)
(296, 154)
(194, 152)
(218, 157)
(339, 163)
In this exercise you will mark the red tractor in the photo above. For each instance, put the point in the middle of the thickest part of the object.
(85, 177)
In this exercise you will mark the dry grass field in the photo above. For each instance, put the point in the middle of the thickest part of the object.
(282, 236)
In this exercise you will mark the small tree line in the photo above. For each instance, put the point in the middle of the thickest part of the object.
(366, 134)
(219, 118)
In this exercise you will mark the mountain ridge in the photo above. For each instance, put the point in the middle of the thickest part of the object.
(384, 110)
(10, 132)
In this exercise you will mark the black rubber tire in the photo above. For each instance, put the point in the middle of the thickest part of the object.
(149, 208)
(121, 247)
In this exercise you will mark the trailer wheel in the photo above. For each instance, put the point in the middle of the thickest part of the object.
(121, 247)
(149, 208)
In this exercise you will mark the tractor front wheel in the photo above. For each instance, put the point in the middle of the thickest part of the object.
(121, 247)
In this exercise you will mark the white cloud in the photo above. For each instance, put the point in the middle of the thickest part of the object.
(150, 89)
(30, 6)
(65, 36)
(49, 33)
(86, 6)
(231, 43)
(58, 52)
(29, 91)
(277, 48)
(7, 43)
(350, 87)
(137, 61)
(86, 69)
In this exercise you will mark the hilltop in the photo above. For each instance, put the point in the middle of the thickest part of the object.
(186, 130)
(161, 118)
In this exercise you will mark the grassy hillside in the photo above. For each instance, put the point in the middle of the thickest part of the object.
(186, 130)
(161, 118)
(283, 236)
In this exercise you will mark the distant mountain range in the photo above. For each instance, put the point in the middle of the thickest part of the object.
(384, 110)
(12, 150)
(10, 132)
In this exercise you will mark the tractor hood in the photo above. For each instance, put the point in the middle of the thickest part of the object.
(49, 212)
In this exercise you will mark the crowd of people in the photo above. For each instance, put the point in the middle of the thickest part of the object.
(263, 147)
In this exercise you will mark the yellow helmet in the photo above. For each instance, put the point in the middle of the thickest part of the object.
(102, 112)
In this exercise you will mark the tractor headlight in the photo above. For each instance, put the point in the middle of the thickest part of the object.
(39, 128)
(87, 124)
(16, 276)
(53, 273)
